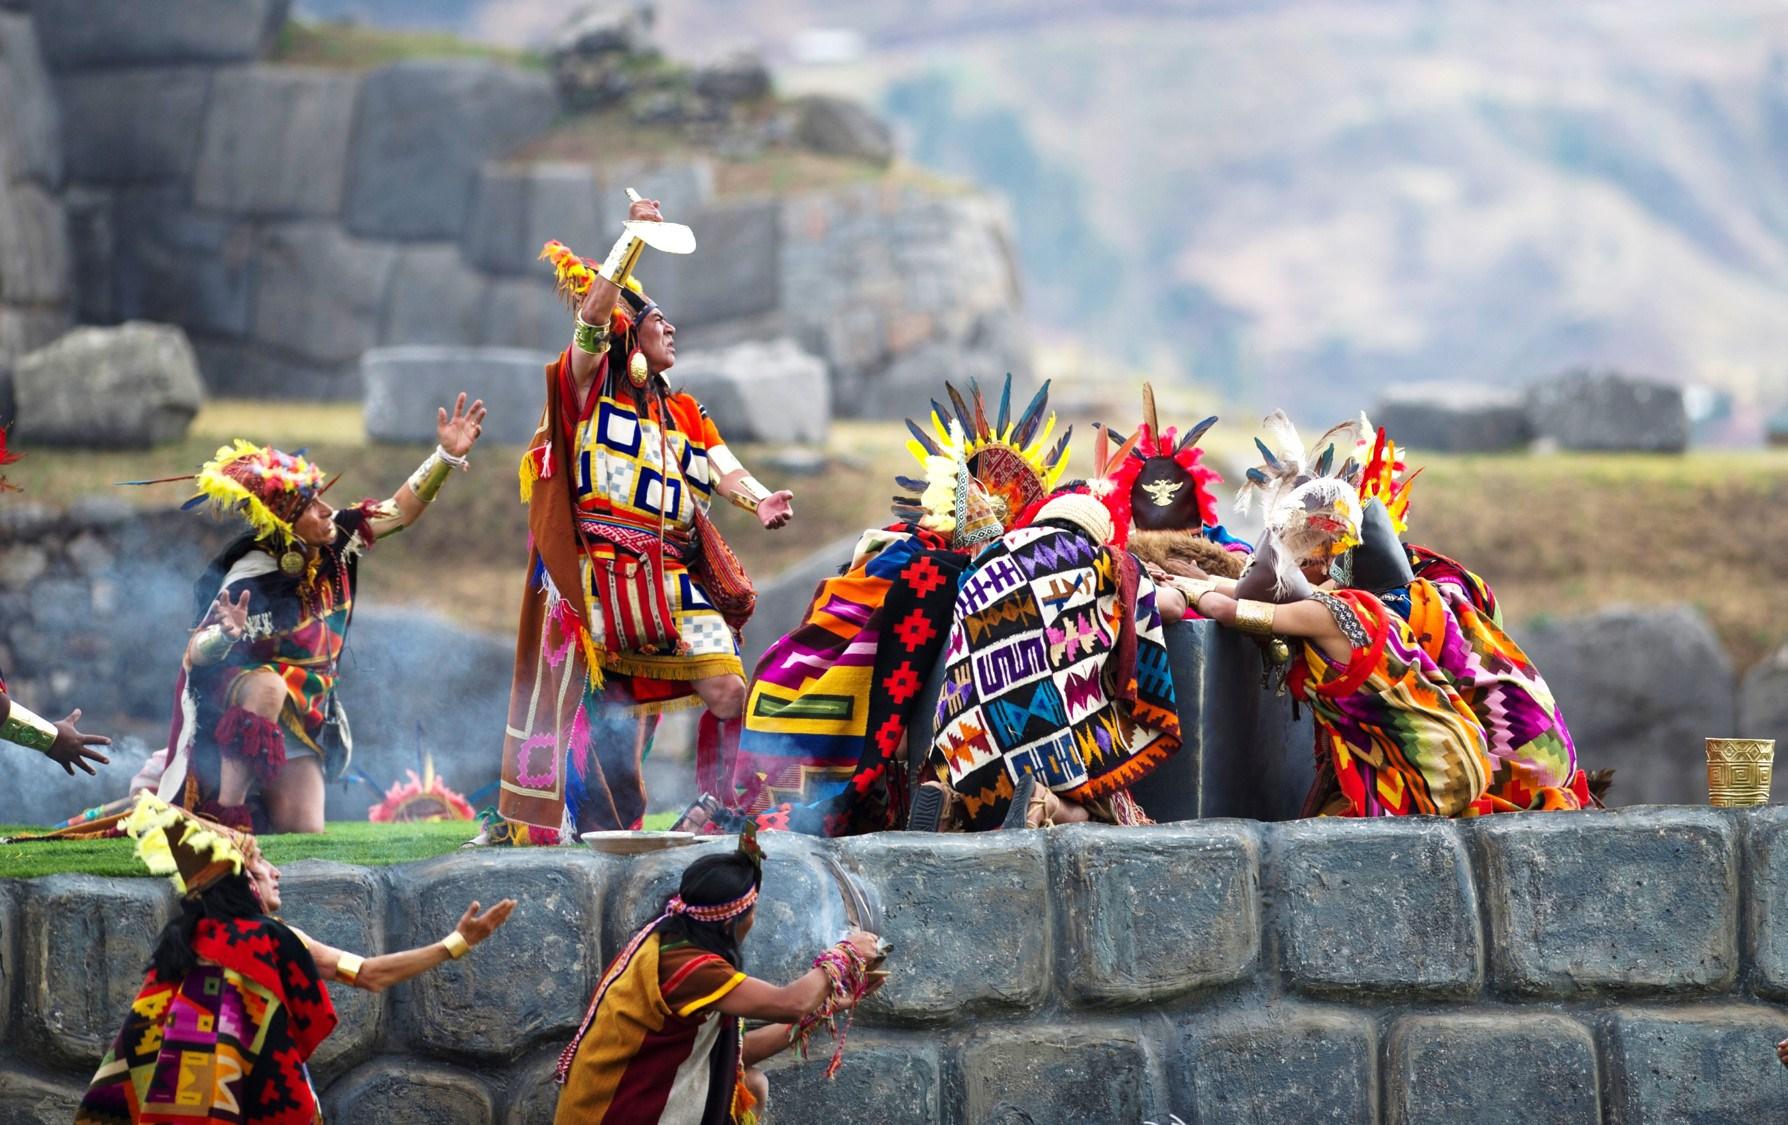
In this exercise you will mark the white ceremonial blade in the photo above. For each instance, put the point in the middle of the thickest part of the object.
(666, 238)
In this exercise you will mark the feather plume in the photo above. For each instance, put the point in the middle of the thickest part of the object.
(963, 412)
(1031, 417)
(1191, 436)
(1005, 405)
(924, 440)
(1149, 417)
(1060, 449)
(981, 427)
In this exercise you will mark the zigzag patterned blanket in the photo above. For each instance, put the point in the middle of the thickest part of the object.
(1037, 681)
(825, 724)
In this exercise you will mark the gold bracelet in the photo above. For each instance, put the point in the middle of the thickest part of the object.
(213, 644)
(455, 944)
(622, 257)
(347, 968)
(591, 339)
(429, 476)
(33, 732)
(1255, 617)
(751, 493)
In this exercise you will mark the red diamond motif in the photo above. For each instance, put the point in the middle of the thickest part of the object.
(901, 683)
(914, 630)
(923, 575)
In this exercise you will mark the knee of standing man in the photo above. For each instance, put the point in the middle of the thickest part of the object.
(727, 701)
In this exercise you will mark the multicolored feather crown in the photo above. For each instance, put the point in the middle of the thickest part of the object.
(265, 486)
(977, 466)
(193, 852)
(1311, 496)
(1384, 479)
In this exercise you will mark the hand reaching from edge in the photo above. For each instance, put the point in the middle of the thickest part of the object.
(71, 746)
(776, 509)
(475, 927)
(231, 614)
(457, 434)
(646, 210)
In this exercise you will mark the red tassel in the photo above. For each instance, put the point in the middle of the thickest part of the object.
(230, 816)
(243, 734)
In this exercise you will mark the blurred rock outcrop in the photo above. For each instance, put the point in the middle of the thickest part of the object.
(35, 271)
(1605, 410)
(772, 392)
(131, 387)
(1454, 417)
(405, 386)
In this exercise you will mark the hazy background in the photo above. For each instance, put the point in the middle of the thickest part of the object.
(1305, 201)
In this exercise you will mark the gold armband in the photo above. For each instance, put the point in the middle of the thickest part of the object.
(751, 492)
(212, 644)
(33, 732)
(622, 257)
(591, 339)
(1255, 617)
(455, 944)
(429, 476)
(347, 968)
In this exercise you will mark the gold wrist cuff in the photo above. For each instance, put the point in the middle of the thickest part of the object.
(213, 644)
(33, 732)
(455, 944)
(1255, 617)
(591, 339)
(347, 968)
(622, 257)
(751, 492)
(429, 476)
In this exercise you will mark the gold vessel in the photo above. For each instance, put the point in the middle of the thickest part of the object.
(1738, 771)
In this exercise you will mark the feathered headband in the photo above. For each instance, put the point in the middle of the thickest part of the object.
(193, 852)
(1012, 460)
(574, 276)
(1119, 481)
(1312, 505)
(1384, 480)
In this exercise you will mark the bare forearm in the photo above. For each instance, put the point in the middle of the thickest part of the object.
(765, 1042)
(381, 972)
(757, 999)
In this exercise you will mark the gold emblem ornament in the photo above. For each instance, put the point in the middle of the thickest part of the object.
(1162, 491)
(1738, 771)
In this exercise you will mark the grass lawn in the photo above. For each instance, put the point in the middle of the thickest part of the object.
(346, 841)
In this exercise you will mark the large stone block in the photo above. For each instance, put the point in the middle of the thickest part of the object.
(1306, 1065)
(10, 984)
(882, 1080)
(1763, 700)
(841, 127)
(132, 126)
(1495, 1069)
(320, 293)
(1045, 1075)
(1126, 899)
(30, 126)
(1646, 713)
(538, 970)
(436, 298)
(733, 273)
(423, 130)
(1696, 1066)
(343, 906)
(276, 142)
(1454, 417)
(682, 188)
(525, 314)
(1766, 922)
(1378, 906)
(141, 32)
(246, 369)
(100, 933)
(130, 387)
(404, 386)
(34, 264)
(1637, 902)
(998, 964)
(179, 266)
(407, 1092)
(772, 392)
(533, 1093)
(1597, 410)
(28, 1098)
(517, 208)
(25, 330)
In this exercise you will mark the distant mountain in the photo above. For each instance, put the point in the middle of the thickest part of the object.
(1301, 200)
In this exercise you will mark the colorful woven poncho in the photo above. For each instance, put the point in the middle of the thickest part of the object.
(826, 721)
(224, 1045)
(1393, 736)
(1056, 666)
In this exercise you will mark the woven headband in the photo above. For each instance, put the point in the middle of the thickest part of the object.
(719, 912)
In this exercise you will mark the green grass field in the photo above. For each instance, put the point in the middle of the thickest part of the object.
(357, 842)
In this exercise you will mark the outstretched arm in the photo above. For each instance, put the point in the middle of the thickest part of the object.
(589, 342)
(1307, 618)
(376, 974)
(773, 509)
(455, 436)
(60, 742)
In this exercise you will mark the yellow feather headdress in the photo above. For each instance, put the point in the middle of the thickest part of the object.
(193, 852)
(263, 485)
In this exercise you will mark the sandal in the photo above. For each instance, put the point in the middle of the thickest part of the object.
(1025, 794)
(706, 805)
(929, 805)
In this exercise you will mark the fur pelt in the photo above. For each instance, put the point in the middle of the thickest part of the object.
(1173, 550)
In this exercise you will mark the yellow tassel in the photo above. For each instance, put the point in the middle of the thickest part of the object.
(592, 658)
(528, 476)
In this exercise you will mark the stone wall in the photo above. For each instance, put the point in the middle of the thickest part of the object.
(292, 218)
(1620, 967)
